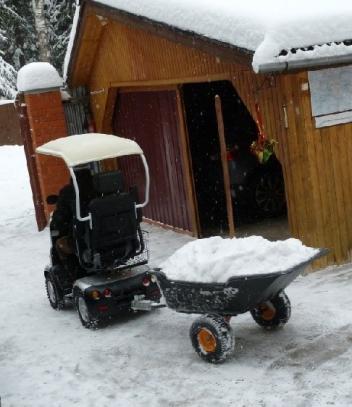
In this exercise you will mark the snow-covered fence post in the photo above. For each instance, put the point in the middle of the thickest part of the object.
(39, 86)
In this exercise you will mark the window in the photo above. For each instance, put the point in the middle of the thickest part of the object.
(331, 96)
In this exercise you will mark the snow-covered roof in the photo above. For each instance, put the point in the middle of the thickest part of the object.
(85, 148)
(270, 29)
(38, 75)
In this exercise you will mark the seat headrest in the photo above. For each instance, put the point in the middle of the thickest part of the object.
(83, 177)
(108, 182)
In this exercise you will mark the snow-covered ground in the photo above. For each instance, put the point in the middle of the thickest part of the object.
(48, 359)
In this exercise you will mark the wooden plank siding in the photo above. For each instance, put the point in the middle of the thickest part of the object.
(316, 162)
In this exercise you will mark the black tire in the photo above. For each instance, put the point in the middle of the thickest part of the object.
(274, 313)
(54, 292)
(83, 312)
(268, 194)
(212, 338)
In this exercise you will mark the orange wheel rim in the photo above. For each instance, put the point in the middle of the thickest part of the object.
(267, 312)
(206, 340)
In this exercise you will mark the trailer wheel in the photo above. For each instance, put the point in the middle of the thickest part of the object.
(274, 313)
(54, 293)
(212, 338)
(83, 312)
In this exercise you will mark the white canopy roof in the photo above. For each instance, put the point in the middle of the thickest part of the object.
(85, 148)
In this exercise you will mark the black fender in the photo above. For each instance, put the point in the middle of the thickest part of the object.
(57, 273)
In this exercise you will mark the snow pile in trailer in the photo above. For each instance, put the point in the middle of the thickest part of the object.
(38, 75)
(216, 259)
(266, 28)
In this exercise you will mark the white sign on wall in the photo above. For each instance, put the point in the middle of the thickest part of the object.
(331, 96)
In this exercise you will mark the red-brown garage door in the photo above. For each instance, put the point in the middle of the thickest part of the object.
(150, 118)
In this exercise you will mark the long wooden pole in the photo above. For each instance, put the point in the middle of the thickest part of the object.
(225, 168)
(192, 205)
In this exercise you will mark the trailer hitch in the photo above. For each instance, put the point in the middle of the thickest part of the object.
(139, 303)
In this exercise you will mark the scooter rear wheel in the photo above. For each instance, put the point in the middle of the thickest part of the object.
(83, 312)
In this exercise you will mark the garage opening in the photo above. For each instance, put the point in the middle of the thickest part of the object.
(257, 190)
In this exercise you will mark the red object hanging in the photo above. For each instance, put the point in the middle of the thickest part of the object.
(262, 147)
(261, 133)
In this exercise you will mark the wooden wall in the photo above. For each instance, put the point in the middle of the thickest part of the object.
(320, 173)
(10, 132)
(315, 162)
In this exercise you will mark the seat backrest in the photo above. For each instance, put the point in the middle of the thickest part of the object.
(107, 183)
(114, 221)
(86, 189)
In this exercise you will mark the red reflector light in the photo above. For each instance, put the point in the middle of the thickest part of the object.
(107, 293)
(103, 308)
(146, 281)
(229, 156)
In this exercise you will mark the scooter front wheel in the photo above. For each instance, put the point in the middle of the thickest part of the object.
(53, 291)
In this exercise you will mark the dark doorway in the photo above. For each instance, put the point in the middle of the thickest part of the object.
(205, 152)
(249, 179)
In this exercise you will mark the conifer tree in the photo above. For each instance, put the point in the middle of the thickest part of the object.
(17, 22)
(59, 16)
(32, 30)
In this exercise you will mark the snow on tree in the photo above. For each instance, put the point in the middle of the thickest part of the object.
(32, 30)
(7, 80)
(7, 72)
(59, 16)
(17, 21)
(17, 42)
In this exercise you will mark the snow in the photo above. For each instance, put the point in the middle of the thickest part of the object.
(266, 28)
(71, 41)
(48, 359)
(6, 102)
(38, 75)
(15, 192)
(7, 79)
(216, 259)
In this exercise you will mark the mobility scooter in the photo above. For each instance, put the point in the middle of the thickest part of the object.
(98, 250)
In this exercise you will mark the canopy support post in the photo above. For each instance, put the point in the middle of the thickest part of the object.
(78, 203)
(147, 187)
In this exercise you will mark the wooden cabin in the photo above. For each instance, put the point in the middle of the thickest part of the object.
(158, 85)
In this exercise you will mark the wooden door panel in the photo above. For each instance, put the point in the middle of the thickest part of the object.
(150, 118)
